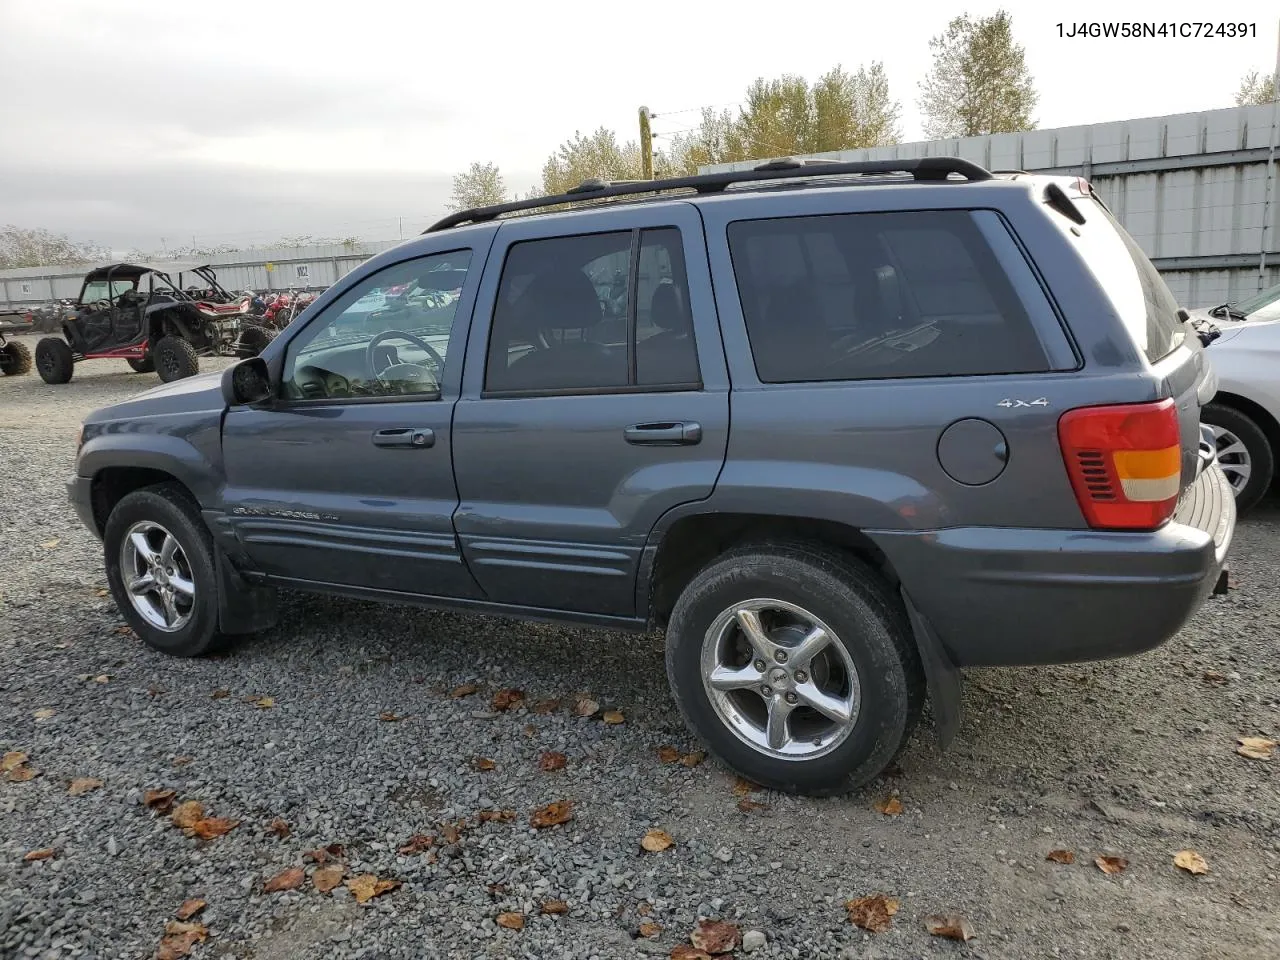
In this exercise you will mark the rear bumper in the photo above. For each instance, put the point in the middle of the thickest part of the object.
(1001, 596)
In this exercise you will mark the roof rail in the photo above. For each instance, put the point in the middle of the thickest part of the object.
(921, 168)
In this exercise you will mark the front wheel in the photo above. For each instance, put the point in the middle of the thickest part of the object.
(54, 360)
(15, 359)
(145, 364)
(795, 665)
(175, 359)
(1244, 452)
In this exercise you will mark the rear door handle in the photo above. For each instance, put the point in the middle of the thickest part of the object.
(665, 433)
(413, 438)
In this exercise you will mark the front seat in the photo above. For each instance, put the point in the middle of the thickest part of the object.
(670, 356)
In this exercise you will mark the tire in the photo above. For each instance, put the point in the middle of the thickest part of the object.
(870, 628)
(159, 512)
(54, 360)
(15, 359)
(1244, 453)
(175, 359)
(146, 365)
(253, 340)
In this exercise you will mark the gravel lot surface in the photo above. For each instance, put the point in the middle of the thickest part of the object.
(1133, 759)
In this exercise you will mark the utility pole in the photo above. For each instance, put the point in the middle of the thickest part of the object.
(646, 146)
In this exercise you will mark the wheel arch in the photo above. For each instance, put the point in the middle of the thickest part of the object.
(112, 484)
(1255, 412)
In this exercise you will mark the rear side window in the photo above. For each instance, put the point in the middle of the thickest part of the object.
(1133, 284)
(880, 295)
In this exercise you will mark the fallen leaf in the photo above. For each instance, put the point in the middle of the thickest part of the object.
(45, 854)
(324, 854)
(50, 544)
(416, 844)
(1111, 865)
(497, 889)
(211, 827)
(220, 694)
(747, 805)
(102, 592)
(682, 951)
(159, 800)
(552, 814)
(715, 936)
(21, 774)
(691, 760)
(530, 729)
(644, 908)
(551, 761)
(452, 832)
(554, 906)
(498, 816)
(506, 699)
(280, 827)
(466, 690)
(544, 707)
(483, 764)
(179, 938)
(12, 759)
(743, 786)
(512, 921)
(190, 908)
(1190, 861)
(328, 878)
(366, 886)
(1214, 677)
(873, 913)
(182, 761)
(952, 926)
(187, 814)
(650, 929)
(82, 785)
(125, 630)
(613, 717)
(585, 707)
(104, 678)
(263, 703)
(655, 841)
(1255, 748)
(890, 807)
(1061, 856)
(44, 713)
(668, 754)
(388, 717)
(290, 879)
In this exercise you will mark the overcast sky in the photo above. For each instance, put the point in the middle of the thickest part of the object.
(128, 121)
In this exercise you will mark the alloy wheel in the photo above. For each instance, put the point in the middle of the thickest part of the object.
(1233, 458)
(157, 576)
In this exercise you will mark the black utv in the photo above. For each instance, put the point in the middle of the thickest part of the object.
(138, 313)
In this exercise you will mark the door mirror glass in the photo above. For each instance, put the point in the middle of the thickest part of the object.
(247, 383)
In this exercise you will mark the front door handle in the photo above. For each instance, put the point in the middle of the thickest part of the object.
(413, 438)
(665, 433)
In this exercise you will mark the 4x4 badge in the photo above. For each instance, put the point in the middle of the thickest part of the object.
(1038, 402)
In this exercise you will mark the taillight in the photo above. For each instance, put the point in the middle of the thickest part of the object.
(1125, 463)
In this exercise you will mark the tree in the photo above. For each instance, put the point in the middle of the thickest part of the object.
(21, 247)
(479, 186)
(1255, 89)
(854, 110)
(598, 156)
(979, 82)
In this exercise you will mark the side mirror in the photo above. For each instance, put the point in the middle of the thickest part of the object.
(247, 383)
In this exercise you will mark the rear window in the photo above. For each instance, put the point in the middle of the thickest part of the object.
(883, 295)
(1135, 287)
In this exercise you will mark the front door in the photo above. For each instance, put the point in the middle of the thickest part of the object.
(347, 479)
(598, 401)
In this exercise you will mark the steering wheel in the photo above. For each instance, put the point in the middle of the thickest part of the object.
(379, 339)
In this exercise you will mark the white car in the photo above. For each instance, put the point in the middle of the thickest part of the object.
(1245, 413)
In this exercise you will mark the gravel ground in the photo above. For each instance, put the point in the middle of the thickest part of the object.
(1133, 759)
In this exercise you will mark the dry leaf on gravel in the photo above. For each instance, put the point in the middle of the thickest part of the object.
(506, 699)
(220, 694)
(366, 886)
(185, 815)
(655, 841)
(1111, 865)
(554, 907)
(668, 754)
(211, 827)
(552, 761)
(1190, 861)
(418, 843)
(82, 785)
(50, 544)
(386, 716)
(328, 878)
(44, 713)
(102, 592)
(1214, 677)
(483, 764)
(561, 811)
(953, 926)
(280, 827)
(46, 854)
(512, 921)
(743, 786)
(290, 879)
(12, 759)
(874, 913)
(125, 630)
(181, 761)
(262, 703)
(890, 806)
(682, 951)
(585, 707)
(613, 717)
(1061, 856)
(747, 805)
(465, 690)
(21, 774)
(644, 908)
(159, 800)
(452, 832)
(190, 908)
(106, 678)
(179, 938)
(715, 936)
(324, 854)
(692, 759)
(650, 929)
(544, 707)
(496, 816)
(1255, 748)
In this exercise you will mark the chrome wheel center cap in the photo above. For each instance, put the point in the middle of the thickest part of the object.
(779, 679)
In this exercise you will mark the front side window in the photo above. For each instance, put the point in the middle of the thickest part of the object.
(105, 290)
(387, 336)
(872, 296)
(593, 313)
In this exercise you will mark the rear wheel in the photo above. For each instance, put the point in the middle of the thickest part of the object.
(175, 359)
(796, 666)
(54, 361)
(146, 364)
(253, 340)
(1244, 452)
(15, 359)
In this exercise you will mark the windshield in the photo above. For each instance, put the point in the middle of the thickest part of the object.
(1262, 306)
(99, 290)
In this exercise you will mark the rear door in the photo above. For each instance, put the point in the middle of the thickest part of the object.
(597, 401)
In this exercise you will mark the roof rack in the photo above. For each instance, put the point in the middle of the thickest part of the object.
(921, 168)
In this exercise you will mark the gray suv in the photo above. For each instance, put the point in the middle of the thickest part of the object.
(840, 430)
